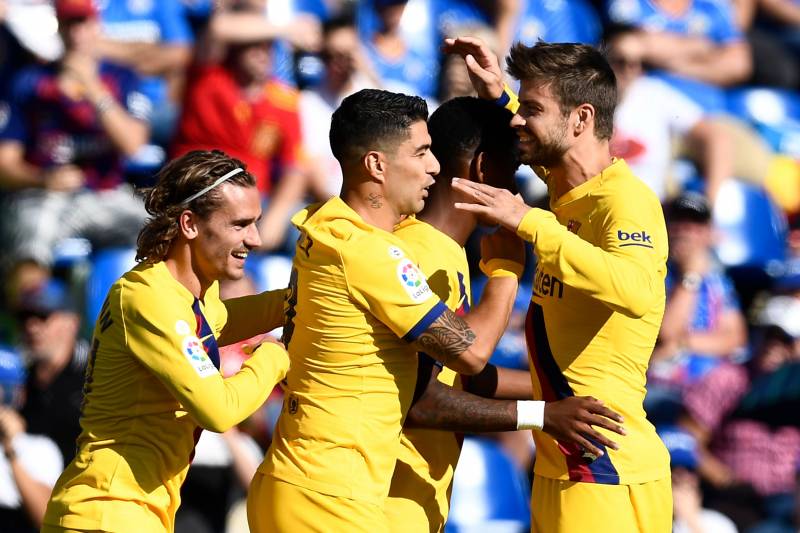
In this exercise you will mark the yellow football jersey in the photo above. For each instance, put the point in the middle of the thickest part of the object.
(598, 300)
(419, 497)
(357, 301)
(152, 379)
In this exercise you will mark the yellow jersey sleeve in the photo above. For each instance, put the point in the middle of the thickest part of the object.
(387, 282)
(161, 341)
(253, 315)
(625, 271)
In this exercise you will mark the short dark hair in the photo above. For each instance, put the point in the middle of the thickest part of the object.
(576, 74)
(178, 180)
(373, 119)
(465, 125)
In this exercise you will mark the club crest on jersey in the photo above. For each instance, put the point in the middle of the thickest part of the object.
(193, 350)
(573, 225)
(413, 281)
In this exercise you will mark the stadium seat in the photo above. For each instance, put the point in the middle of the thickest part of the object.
(269, 272)
(774, 113)
(106, 267)
(490, 493)
(752, 228)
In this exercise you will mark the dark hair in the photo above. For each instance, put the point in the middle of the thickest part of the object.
(464, 126)
(373, 119)
(576, 74)
(342, 21)
(178, 180)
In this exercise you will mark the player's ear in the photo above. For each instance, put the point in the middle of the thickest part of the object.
(584, 118)
(477, 168)
(375, 165)
(187, 223)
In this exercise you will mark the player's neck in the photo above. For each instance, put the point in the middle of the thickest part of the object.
(440, 212)
(580, 164)
(180, 265)
(372, 207)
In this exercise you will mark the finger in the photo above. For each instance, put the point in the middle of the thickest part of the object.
(476, 69)
(602, 410)
(473, 208)
(588, 446)
(602, 439)
(488, 190)
(599, 421)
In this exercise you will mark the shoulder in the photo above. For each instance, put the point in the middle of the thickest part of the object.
(281, 95)
(624, 194)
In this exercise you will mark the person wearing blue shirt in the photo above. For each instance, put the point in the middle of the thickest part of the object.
(694, 44)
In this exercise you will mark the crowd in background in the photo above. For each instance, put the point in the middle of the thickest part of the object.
(96, 96)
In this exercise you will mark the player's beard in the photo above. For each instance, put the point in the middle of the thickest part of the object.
(550, 151)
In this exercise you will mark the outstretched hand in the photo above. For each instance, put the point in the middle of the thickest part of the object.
(573, 420)
(482, 64)
(497, 206)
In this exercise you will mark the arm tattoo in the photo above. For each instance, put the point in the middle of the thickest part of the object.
(447, 338)
(375, 200)
(445, 408)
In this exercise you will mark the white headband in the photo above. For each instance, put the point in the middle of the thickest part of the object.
(221, 180)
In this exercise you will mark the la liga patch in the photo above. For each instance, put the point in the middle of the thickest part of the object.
(193, 350)
(413, 281)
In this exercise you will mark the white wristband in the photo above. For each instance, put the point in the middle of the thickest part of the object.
(530, 414)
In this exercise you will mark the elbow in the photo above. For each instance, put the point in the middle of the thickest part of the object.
(470, 363)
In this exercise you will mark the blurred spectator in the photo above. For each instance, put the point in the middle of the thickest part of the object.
(768, 24)
(69, 125)
(57, 359)
(454, 78)
(702, 322)
(294, 25)
(152, 38)
(30, 464)
(696, 43)
(235, 106)
(687, 497)
(347, 70)
(557, 21)
(643, 132)
(401, 66)
(751, 466)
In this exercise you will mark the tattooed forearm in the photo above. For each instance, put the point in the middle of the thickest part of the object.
(443, 407)
(447, 338)
(375, 200)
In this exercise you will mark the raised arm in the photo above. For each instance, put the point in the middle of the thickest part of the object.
(252, 315)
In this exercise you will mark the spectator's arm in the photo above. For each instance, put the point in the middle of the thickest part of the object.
(244, 465)
(505, 21)
(715, 155)
(147, 59)
(729, 335)
(33, 493)
(304, 31)
(501, 383)
(127, 133)
(285, 197)
(785, 11)
(15, 172)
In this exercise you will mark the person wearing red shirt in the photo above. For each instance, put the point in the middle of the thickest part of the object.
(233, 105)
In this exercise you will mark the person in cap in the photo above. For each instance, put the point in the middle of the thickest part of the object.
(68, 128)
(702, 323)
(687, 497)
(153, 381)
(57, 356)
(29, 464)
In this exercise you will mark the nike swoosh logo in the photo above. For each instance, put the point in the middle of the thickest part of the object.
(206, 337)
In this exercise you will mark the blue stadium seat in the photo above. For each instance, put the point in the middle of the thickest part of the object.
(106, 267)
(490, 493)
(774, 113)
(753, 229)
(269, 272)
